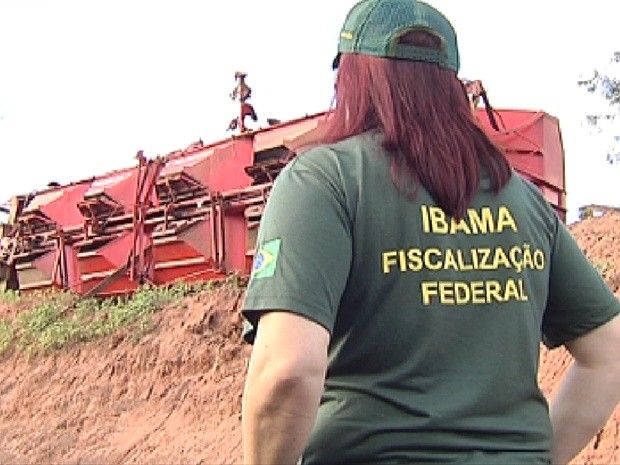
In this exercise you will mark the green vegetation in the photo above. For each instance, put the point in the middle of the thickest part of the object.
(8, 296)
(6, 336)
(56, 320)
(603, 267)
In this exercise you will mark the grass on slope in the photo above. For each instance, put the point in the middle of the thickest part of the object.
(56, 320)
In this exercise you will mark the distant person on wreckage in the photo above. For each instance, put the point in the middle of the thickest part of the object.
(405, 277)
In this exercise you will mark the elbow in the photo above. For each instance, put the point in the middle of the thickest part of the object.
(285, 376)
(607, 366)
(277, 388)
(603, 377)
(287, 370)
(273, 385)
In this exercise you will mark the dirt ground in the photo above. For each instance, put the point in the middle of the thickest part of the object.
(175, 396)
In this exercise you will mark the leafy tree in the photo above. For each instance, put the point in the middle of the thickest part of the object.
(606, 85)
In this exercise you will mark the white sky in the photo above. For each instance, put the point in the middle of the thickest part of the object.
(85, 84)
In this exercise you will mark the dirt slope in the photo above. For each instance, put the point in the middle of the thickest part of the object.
(599, 238)
(174, 397)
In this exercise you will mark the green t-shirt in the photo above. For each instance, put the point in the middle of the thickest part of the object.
(435, 325)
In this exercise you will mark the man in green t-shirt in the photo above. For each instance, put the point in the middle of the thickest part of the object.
(405, 277)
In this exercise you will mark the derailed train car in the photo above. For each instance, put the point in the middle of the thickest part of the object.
(193, 214)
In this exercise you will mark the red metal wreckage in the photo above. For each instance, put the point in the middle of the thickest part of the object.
(193, 214)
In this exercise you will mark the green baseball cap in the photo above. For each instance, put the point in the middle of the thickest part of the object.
(373, 27)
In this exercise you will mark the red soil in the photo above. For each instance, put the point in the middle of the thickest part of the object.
(599, 238)
(174, 397)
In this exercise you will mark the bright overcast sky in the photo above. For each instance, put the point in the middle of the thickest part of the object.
(85, 84)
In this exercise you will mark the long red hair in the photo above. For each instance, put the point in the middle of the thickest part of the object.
(429, 131)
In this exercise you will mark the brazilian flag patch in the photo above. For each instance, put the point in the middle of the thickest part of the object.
(266, 259)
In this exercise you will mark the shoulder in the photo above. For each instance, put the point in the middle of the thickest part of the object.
(534, 207)
(528, 186)
(350, 147)
(337, 168)
(345, 157)
(533, 195)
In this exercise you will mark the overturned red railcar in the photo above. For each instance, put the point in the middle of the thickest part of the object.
(193, 214)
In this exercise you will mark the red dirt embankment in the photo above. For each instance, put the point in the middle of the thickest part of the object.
(175, 396)
(599, 238)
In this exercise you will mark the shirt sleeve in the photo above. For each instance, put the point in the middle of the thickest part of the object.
(303, 255)
(579, 299)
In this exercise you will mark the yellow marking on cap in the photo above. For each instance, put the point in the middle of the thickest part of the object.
(346, 35)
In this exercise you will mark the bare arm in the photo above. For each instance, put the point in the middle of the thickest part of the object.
(283, 388)
(589, 392)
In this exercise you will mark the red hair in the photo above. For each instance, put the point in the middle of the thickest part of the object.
(429, 130)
